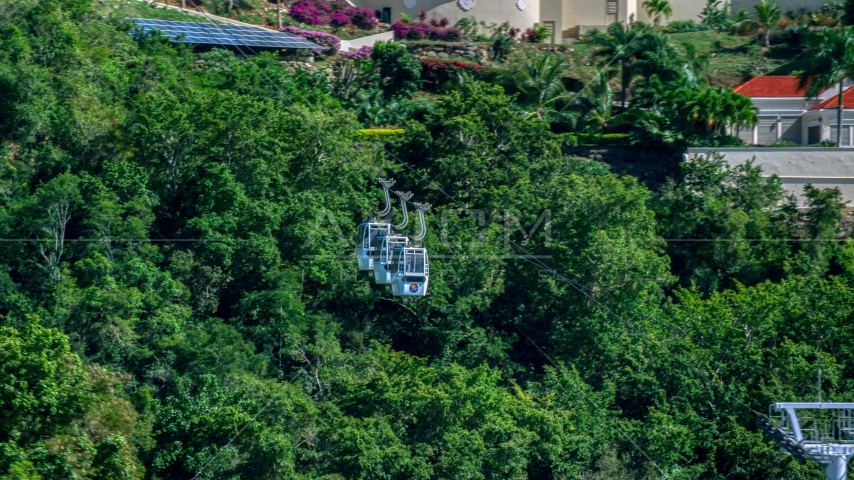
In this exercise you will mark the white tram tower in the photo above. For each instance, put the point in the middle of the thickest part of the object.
(818, 431)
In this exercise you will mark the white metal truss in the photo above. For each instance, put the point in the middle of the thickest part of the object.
(820, 431)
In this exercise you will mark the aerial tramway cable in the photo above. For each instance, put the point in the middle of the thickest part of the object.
(536, 262)
(581, 391)
(528, 257)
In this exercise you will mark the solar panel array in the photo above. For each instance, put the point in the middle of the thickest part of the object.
(219, 34)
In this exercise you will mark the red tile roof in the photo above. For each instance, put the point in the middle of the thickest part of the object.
(772, 86)
(833, 102)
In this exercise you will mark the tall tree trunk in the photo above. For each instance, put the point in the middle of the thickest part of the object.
(623, 87)
(839, 111)
(279, 13)
(768, 37)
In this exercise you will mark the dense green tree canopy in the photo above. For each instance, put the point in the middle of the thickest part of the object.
(178, 296)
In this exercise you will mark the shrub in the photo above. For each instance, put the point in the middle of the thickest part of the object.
(400, 71)
(537, 34)
(338, 19)
(380, 132)
(362, 17)
(329, 43)
(452, 35)
(784, 144)
(425, 31)
(336, 13)
(363, 53)
(792, 38)
(603, 140)
(567, 140)
(443, 23)
(684, 26)
(502, 46)
(437, 70)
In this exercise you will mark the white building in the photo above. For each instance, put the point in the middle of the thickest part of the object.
(795, 167)
(786, 114)
(568, 17)
(784, 5)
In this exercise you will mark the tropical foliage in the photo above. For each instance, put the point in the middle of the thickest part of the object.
(178, 296)
(831, 61)
(330, 43)
(656, 9)
(425, 31)
(336, 13)
(765, 20)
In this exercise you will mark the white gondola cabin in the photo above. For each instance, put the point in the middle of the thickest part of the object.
(384, 247)
(368, 231)
(411, 272)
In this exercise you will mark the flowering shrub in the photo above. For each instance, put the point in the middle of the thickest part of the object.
(440, 23)
(537, 34)
(362, 17)
(329, 43)
(363, 53)
(339, 18)
(336, 13)
(422, 31)
(436, 70)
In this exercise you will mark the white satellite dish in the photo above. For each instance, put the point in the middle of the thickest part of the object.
(466, 4)
(410, 3)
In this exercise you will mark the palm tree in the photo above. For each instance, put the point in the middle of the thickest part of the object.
(539, 83)
(719, 108)
(595, 104)
(658, 8)
(767, 16)
(621, 44)
(657, 56)
(831, 56)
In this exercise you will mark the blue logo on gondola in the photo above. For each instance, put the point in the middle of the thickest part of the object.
(413, 287)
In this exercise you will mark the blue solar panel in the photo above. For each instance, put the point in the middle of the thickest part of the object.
(216, 34)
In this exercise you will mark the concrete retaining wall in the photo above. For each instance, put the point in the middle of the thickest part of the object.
(369, 41)
(465, 50)
(784, 5)
(822, 167)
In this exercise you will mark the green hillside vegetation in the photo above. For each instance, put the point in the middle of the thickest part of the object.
(731, 58)
(139, 9)
(256, 12)
(179, 297)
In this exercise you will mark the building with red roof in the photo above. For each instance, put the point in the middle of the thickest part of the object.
(773, 86)
(832, 103)
(787, 114)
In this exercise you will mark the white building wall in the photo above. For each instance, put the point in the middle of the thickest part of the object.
(822, 167)
(591, 13)
(682, 10)
(791, 129)
(552, 11)
(785, 5)
(796, 118)
(566, 14)
(489, 11)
